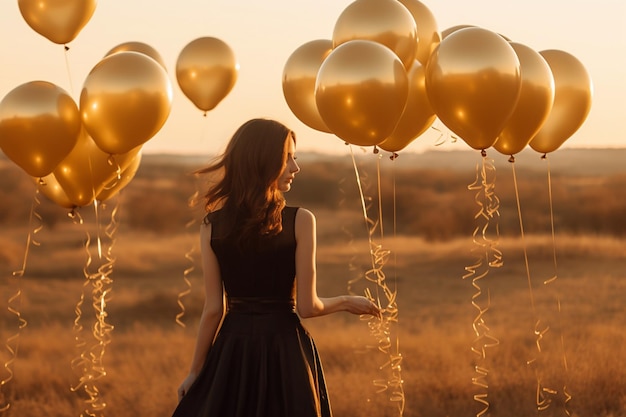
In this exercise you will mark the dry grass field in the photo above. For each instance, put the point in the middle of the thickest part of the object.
(147, 353)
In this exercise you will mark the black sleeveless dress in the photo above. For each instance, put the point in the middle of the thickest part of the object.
(263, 362)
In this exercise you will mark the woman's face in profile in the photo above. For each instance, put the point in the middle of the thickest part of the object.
(290, 169)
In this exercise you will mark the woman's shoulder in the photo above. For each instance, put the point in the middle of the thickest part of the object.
(299, 211)
(304, 216)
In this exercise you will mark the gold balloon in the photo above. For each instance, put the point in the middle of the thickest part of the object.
(384, 21)
(473, 83)
(428, 36)
(125, 100)
(418, 114)
(87, 169)
(361, 91)
(141, 48)
(117, 184)
(573, 91)
(534, 104)
(58, 20)
(39, 125)
(299, 75)
(206, 70)
(50, 187)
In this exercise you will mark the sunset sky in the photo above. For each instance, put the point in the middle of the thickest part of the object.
(263, 34)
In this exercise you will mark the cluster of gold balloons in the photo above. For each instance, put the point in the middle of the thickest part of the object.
(491, 91)
(90, 151)
(80, 153)
(366, 84)
(388, 73)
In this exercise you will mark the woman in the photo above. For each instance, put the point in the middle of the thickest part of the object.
(252, 357)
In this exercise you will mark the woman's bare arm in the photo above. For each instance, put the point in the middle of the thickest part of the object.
(213, 308)
(308, 303)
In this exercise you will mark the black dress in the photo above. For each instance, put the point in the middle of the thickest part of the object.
(263, 362)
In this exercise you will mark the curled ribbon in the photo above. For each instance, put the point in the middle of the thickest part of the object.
(487, 256)
(443, 136)
(382, 329)
(15, 301)
(189, 256)
(90, 363)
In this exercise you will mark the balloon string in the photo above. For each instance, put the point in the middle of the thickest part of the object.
(35, 226)
(383, 328)
(96, 211)
(487, 257)
(189, 255)
(352, 267)
(543, 400)
(14, 304)
(67, 66)
(553, 282)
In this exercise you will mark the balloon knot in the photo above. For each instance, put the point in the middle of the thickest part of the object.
(376, 149)
(512, 159)
(483, 153)
(41, 181)
(204, 114)
(544, 156)
(67, 48)
(394, 156)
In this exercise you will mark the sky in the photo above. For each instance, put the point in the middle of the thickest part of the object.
(263, 34)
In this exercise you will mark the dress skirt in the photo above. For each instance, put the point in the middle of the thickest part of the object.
(262, 364)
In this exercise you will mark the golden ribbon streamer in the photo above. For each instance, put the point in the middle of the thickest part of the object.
(553, 282)
(15, 301)
(381, 328)
(443, 136)
(189, 255)
(89, 363)
(543, 393)
(487, 257)
(352, 266)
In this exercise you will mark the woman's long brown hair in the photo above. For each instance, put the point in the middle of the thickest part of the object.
(246, 188)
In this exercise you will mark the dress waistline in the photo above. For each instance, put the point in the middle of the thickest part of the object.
(260, 305)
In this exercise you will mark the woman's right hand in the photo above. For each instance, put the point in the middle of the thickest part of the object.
(361, 305)
(184, 386)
